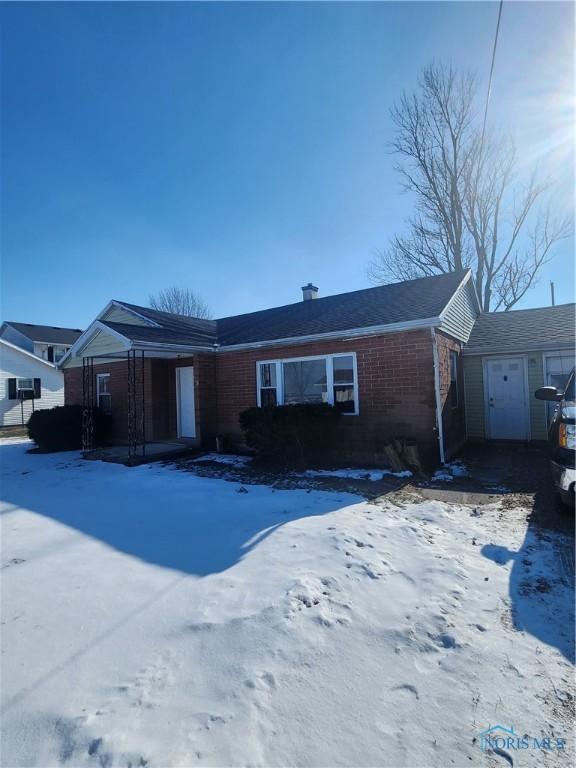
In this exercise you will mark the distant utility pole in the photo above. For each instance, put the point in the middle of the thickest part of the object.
(552, 293)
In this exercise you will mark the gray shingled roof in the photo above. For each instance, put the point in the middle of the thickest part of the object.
(411, 300)
(523, 330)
(49, 334)
(189, 338)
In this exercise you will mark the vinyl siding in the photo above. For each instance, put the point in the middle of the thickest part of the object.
(474, 397)
(100, 344)
(461, 314)
(474, 393)
(538, 430)
(14, 364)
(120, 315)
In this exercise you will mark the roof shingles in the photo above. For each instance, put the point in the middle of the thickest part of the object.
(47, 334)
(523, 330)
(412, 300)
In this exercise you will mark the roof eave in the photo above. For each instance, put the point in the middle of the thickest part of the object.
(373, 330)
(522, 349)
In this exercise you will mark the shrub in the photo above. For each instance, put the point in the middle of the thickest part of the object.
(60, 428)
(290, 434)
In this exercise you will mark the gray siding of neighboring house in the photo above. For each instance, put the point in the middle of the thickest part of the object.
(474, 394)
(538, 428)
(474, 397)
(120, 315)
(461, 314)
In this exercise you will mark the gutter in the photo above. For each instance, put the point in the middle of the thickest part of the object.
(373, 330)
(439, 425)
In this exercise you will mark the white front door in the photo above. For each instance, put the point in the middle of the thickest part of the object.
(185, 402)
(507, 402)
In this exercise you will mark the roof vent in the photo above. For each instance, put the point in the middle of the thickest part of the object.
(309, 292)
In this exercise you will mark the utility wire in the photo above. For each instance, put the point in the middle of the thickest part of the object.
(491, 72)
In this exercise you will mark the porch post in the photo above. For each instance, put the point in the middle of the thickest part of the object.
(132, 436)
(143, 413)
(87, 403)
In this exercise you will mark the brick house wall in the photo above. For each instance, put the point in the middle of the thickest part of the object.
(396, 392)
(159, 394)
(395, 382)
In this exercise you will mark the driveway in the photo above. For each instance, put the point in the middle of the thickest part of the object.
(154, 617)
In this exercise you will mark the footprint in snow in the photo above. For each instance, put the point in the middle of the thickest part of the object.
(406, 687)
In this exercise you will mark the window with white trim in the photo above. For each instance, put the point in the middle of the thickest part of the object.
(103, 395)
(328, 379)
(454, 395)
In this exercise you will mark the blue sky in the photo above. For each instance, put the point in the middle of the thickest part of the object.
(240, 149)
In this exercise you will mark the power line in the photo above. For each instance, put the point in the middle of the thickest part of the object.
(491, 71)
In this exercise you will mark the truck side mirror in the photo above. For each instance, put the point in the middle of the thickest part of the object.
(548, 393)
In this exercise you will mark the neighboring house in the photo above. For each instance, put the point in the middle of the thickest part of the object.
(27, 383)
(508, 356)
(388, 357)
(29, 379)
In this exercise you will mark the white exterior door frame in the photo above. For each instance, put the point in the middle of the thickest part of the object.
(489, 409)
(185, 402)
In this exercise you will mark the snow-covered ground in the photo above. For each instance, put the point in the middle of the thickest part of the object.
(155, 618)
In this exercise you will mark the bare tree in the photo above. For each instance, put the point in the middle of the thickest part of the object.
(471, 209)
(180, 301)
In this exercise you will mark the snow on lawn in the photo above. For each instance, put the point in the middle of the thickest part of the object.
(451, 470)
(155, 618)
(230, 459)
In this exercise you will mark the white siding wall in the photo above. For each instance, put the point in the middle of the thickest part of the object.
(16, 364)
(119, 315)
(461, 314)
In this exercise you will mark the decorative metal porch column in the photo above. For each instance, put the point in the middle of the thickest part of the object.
(88, 385)
(136, 406)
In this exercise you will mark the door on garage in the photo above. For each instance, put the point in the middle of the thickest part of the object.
(507, 404)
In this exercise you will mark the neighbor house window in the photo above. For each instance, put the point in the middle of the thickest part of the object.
(454, 379)
(24, 389)
(103, 396)
(330, 379)
(59, 353)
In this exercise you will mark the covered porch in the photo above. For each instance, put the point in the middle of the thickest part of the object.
(151, 394)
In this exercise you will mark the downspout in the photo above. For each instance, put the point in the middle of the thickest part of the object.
(439, 425)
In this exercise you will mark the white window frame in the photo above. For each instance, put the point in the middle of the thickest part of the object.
(329, 377)
(99, 378)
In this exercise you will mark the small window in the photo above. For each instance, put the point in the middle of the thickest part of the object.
(26, 389)
(103, 395)
(59, 353)
(343, 378)
(268, 389)
(454, 399)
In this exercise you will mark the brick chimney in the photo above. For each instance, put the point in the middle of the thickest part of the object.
(309, 292)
